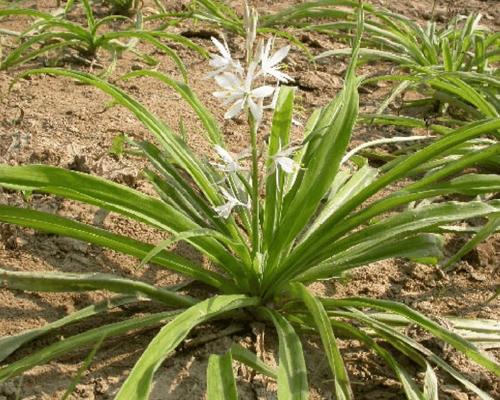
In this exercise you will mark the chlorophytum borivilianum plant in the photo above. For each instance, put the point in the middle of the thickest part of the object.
(294, 213)
(63, 39)
(461, 46)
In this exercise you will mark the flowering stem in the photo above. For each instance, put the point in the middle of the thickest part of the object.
(255, 189)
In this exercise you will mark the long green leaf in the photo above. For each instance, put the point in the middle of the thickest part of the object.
(430, 384)
(342, 385)
(96, 191)
(25, 11)
(470, 159)
(208, 120)
(419, 246)
(179, 190)
(444, 334)
(9, 344)
(16, 56)
(138, 384)
(73, 282)
(332, 228)
(84, 339)
(90, 15)
(404, 343)
(411, 389)
(245, 356)
(112, 36)
(484, 333)
(182, 236)
(303, 10)
(486, 231)
(292, 372)
(279, 138)
(221, 384)
(465, 91)
(321, 158)
(398, 227)
(114, 197)
(172, 143)
(360, 179)
(370, 54)
(70, 228)
(409, 385)
(81, 33)
(82, 369)
(406, 223)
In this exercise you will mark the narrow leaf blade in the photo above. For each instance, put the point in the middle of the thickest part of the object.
(342, 385)
(221, 384)
(292, 372)
(138, 384)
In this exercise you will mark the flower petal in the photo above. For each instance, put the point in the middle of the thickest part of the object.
(255, 110)
(226, 157)
(286, 164)
(263, 91)
(267, 50)
(223, 49)
(228, 80)
(220, 95)
(280, 76)
(278, 56)
(224, 211)
(235, 109)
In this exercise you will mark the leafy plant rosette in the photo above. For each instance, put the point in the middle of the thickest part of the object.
(125, 6)
(432, 59)
(300, 212)
(58, 37)
(461, 45)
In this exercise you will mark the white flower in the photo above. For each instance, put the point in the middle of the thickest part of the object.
(282, 159)
(270, 65)
(286, 164)
(223, 62)
(274, 101)
(231, 166)
(241, 93)
(224, 211)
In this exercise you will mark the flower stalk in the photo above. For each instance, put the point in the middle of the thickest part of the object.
(246, 89)
(255, 188)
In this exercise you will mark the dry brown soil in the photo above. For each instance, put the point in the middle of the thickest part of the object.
(52, 120)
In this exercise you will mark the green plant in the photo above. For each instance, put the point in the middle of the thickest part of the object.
(11, 3)
(124, 6)
(56, 34)
(461, 45)
(310, 215)
(219, 14)
(428, 56)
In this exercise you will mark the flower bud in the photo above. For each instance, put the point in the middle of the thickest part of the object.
(258, 52)
(250, 18)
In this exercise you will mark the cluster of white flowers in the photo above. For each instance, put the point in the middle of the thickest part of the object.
(238, 84)
(245, 89)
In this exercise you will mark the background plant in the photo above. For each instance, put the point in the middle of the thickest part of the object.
(125, 6)
(452, 67)
(57, 35)
(461, 46)
(303, 212)
(283, 23)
